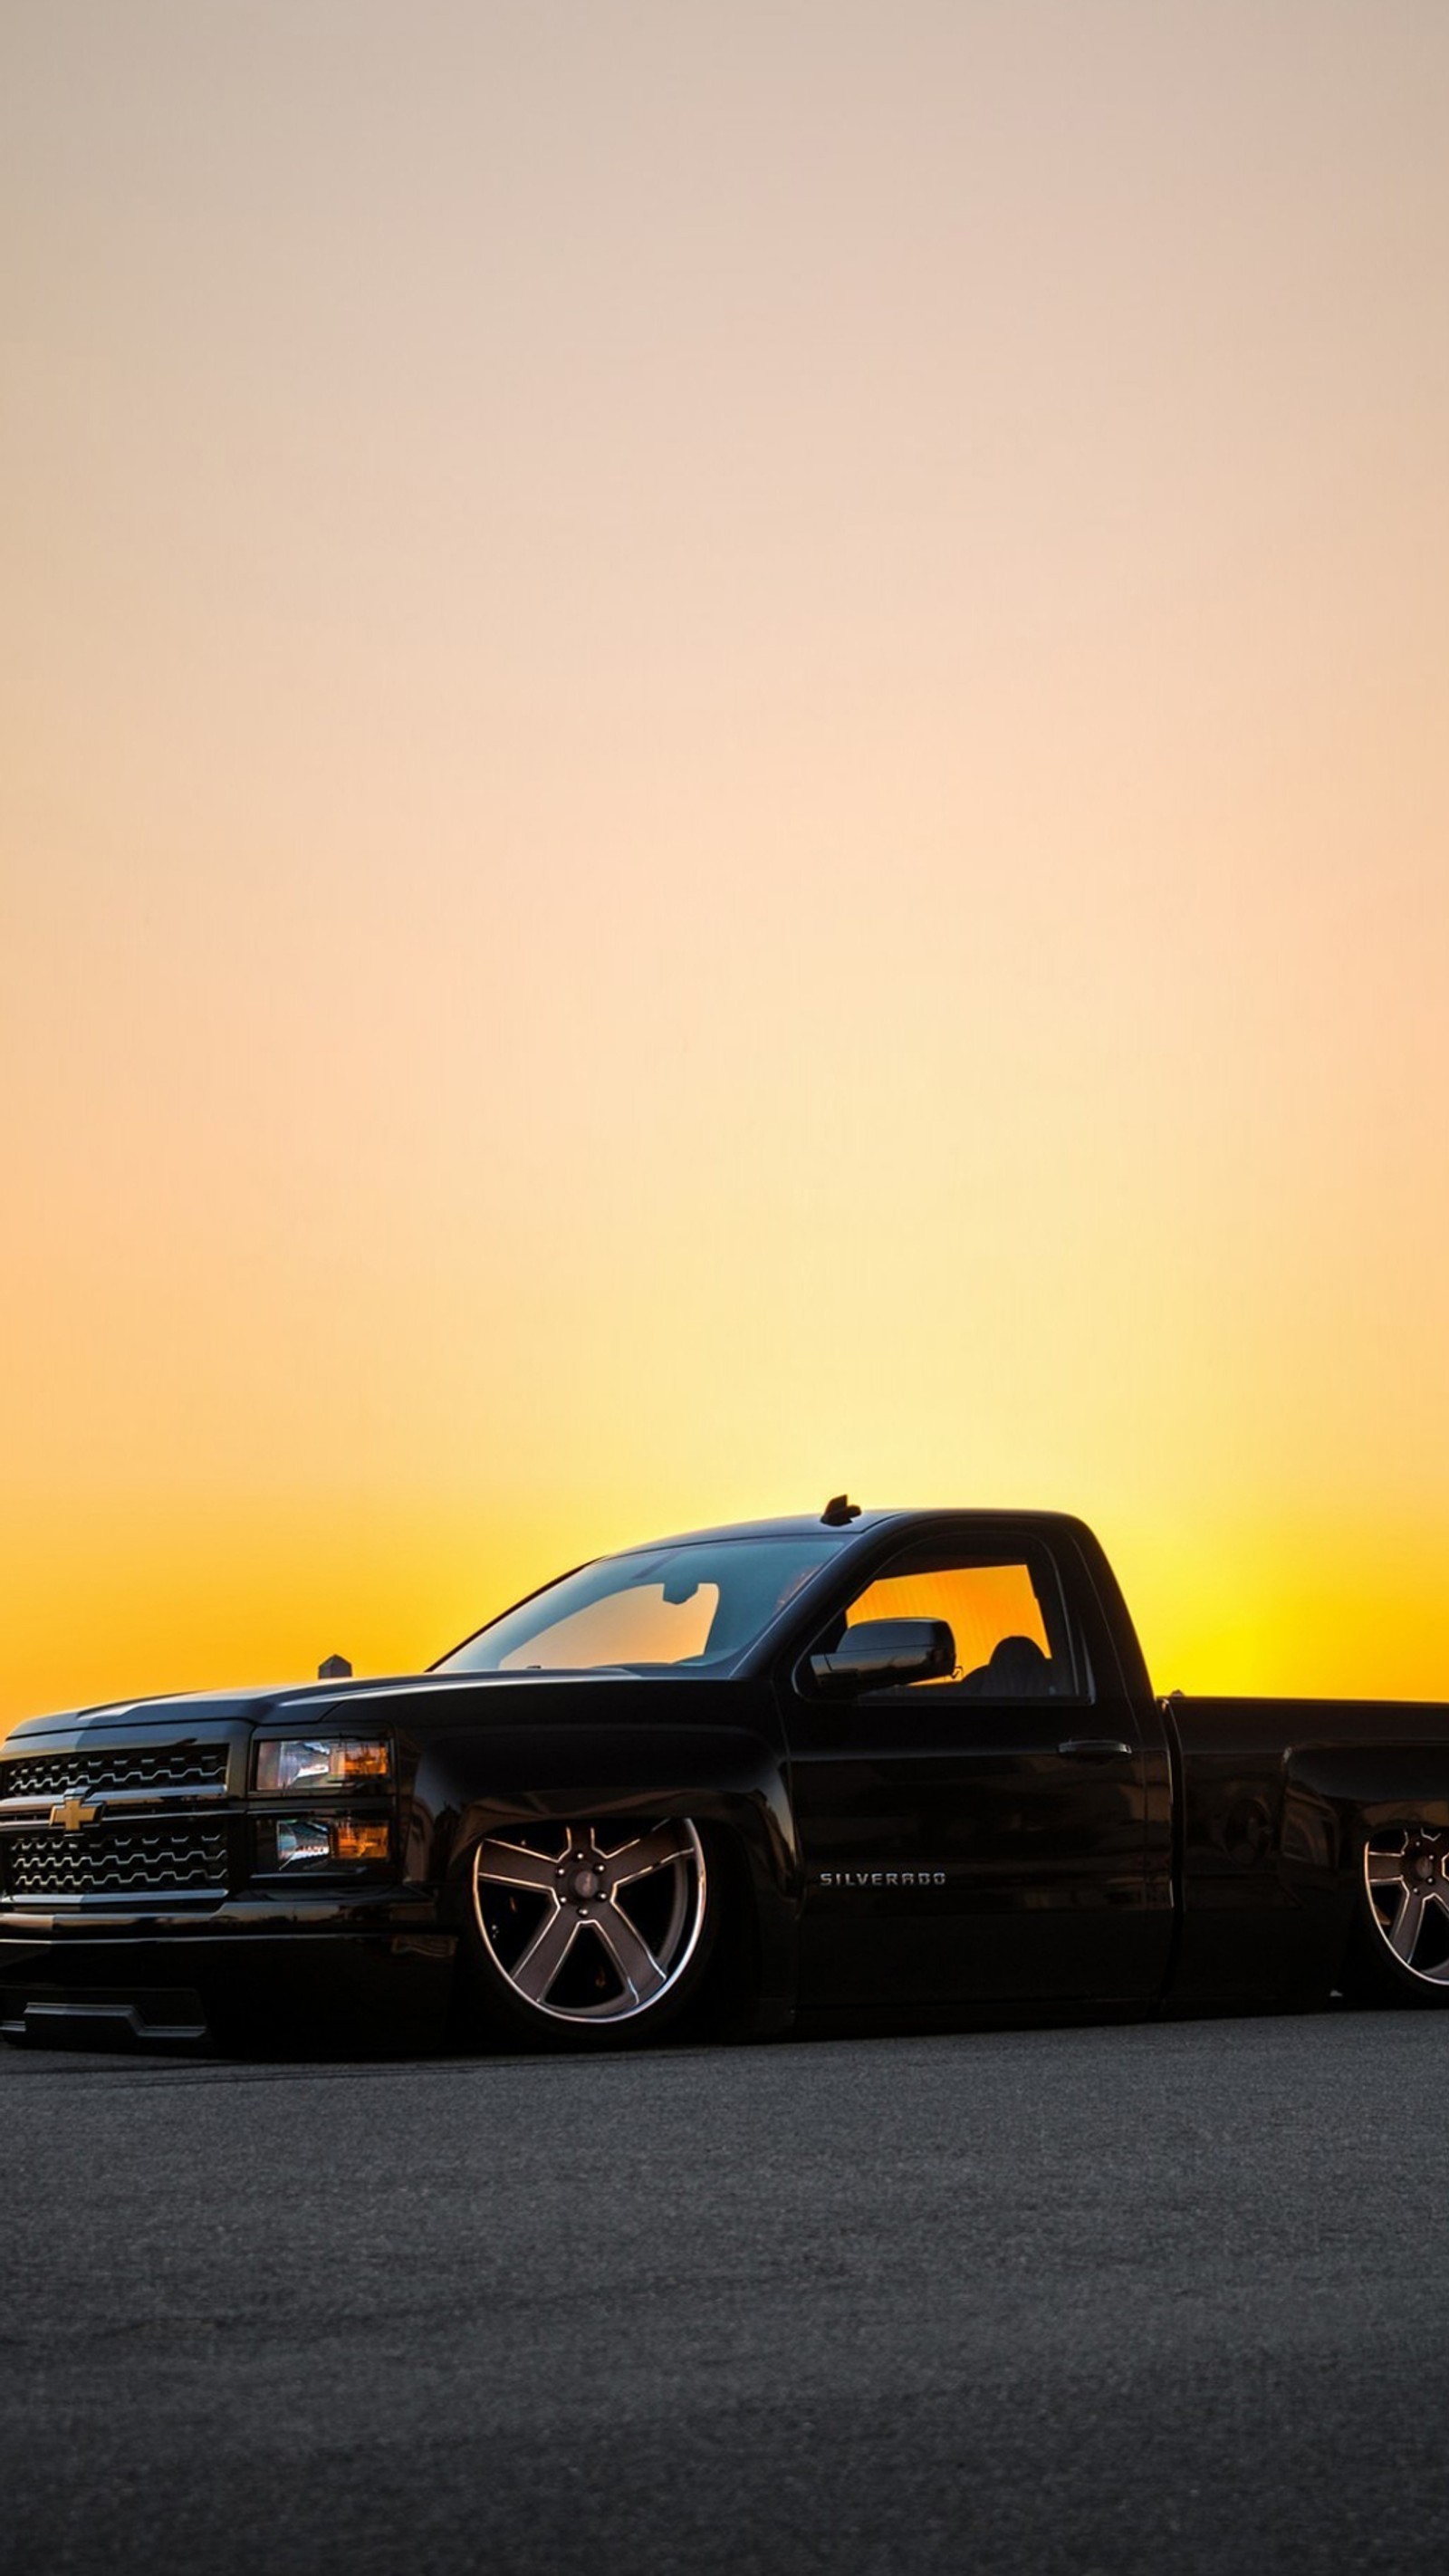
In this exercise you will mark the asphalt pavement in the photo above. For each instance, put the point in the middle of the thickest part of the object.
(1156, 2297)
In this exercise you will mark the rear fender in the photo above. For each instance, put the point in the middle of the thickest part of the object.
(1335, 1796)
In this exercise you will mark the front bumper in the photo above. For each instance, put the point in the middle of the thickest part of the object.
(374, 1971)
(131, 1899)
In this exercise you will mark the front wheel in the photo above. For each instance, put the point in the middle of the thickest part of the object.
(589, 1935)
(1400, 1951)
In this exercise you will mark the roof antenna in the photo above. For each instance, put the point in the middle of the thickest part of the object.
(336, 1669)
(839, 1511)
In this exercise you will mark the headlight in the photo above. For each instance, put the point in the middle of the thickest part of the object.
(322, 1843)
(321, 1762)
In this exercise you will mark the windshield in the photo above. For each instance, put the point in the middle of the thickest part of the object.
(689, 1607)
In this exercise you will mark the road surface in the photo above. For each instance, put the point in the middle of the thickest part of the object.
(1156, 2297)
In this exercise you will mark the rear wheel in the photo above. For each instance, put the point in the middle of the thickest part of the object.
(1401, 1944)
(589, 1935)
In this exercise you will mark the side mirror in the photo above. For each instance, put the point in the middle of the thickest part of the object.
(880, 1652)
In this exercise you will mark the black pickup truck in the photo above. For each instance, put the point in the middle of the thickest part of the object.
(892, 1761)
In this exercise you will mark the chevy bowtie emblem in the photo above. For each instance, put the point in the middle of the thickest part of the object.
(71, 1814)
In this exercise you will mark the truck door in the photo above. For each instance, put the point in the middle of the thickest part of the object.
(999, 1835)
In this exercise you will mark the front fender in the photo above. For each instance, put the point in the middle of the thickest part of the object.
(473, 1783)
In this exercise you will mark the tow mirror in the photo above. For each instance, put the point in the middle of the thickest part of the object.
(880, 1652)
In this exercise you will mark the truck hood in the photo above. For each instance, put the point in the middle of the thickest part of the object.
(441, 1697)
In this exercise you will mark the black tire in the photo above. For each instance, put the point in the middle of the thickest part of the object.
(588, 1935)
(1399, 1949)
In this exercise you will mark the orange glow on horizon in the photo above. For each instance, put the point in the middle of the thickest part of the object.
(726, 774)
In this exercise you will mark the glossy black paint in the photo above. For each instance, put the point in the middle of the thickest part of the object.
(1023, 1873)
(907, 1846)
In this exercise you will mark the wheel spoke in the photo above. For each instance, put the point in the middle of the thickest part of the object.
(1385, 1868)
(1407, 1924)
(667, 1843)
(535, 1972)
(629, 1951)
(505, 1864)
(569, 1908)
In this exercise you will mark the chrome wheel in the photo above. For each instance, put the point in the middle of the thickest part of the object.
(591, 1923)
(1406, 1873)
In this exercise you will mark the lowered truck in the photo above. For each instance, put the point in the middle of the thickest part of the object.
(876, 1761)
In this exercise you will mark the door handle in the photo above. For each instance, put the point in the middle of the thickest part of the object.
(1094, 1748)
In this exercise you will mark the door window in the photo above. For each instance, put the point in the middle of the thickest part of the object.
(1004, 1613)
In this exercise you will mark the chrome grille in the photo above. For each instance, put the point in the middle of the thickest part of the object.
(165, 1766)
(138, 1860)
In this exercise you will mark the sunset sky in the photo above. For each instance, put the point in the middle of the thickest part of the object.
(725, 773)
